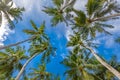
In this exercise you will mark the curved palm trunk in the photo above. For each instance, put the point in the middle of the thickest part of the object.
(106, 17)
(109, 67)
(15, 44)
(24, 66)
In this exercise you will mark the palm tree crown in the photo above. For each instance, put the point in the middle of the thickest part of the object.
(10, 60)
(6, 8)
(60, 11)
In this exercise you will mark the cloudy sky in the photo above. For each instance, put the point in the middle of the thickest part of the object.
(58, 35)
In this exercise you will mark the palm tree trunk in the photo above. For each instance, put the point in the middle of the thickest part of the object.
(109, 67)
(106, 17)
(23, 68)
(15, 44)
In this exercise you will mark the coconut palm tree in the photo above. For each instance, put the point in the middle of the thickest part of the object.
(105, 74)
(40, 44)
(60, 11)
(81, 66)
(40, 73)
(36, 32)
(93, 20)
(6, 8)
(77, 42)
(10, 61)
(88, 23)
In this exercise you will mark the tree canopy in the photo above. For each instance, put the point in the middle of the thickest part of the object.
(82, 62)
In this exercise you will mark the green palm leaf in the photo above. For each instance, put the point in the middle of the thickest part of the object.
(33, 25)
(6, 6)
(30, 32)
(58, 3)
(81, 18)
(92, 6)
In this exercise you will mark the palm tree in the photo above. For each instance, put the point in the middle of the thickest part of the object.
(93, 20)
(34, 34)
(60, 11)
(40, 73)
(88, 23)
(39, 44)
(6, 8)
(80, 66)
(77, 42)
(10, 61)
(105, 74)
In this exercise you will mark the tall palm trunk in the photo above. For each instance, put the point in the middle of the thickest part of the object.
(109, 67)
(24, 66)
(106, 17)
(15, 44)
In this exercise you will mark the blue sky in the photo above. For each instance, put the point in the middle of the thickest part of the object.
(58, 35)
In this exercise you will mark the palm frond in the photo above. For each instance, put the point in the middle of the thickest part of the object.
(7, 1)
(92, 6)
(11, 24)
(81, 18)
(33, 25)
(16, 13)
(58, 3)
(50, 11)
(30, 32)
(42, 28)
(2, 55)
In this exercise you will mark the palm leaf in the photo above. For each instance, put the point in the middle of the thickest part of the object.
(42, 28)
(33, 25)
(50, 11)
(2, 54)
(31, 32)
(7, 1)
(11, 24)
(58, 3)
(56, 19)
(92, 5)
(16, 13)
(87, 76)
(81, 17)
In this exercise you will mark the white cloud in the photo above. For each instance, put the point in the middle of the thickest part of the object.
(63, 55)
(30, 6)
(68, 32)
(4, 30)
(80, 4)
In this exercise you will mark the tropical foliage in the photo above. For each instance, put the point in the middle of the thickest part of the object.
(40, 73)
(91, 22)
(10, 61)
(60, 11)
(82, 61)
(8, 11)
